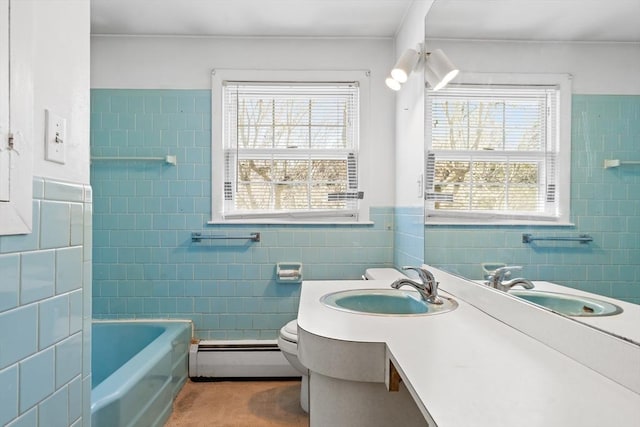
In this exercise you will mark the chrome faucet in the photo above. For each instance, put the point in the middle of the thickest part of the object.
(496, 279)
(428, 289)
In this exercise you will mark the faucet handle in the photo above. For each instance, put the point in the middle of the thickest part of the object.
(508, 268)
(424, 274)
(504, 272)
(433, 297)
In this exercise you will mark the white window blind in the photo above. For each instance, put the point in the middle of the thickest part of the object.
(290, 149)
(493, 152)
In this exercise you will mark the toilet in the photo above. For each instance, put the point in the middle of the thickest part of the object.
(288, 343)
(383, 274)
(288, 336)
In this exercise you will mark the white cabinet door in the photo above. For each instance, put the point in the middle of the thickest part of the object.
(5, 158)
(16, 116)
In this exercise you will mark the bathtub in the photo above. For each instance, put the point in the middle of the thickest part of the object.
(137, 368)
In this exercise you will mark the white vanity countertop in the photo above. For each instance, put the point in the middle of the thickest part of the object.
(466, 368)
(625, 324)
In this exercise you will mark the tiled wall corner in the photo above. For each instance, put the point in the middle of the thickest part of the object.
(144, 262)
(604, 204)
(408, 236)
(41, 311)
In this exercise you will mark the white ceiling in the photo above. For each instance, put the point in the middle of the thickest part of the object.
(568, 20)
(588, 20)
(242, 18)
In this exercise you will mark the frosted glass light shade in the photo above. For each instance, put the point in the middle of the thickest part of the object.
(446, 79)
(392, 83)
(405, 65)
(439, 70)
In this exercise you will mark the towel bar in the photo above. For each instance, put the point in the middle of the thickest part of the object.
(197, 237)
(583, 238)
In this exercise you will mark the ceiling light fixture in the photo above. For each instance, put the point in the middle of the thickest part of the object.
(405, 65)
(438, 69)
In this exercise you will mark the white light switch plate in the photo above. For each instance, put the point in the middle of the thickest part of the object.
(55, 137)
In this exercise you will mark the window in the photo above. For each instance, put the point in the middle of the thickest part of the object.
(499, 152)
(288, 150)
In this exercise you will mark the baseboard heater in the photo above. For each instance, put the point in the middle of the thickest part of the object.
(211, 359)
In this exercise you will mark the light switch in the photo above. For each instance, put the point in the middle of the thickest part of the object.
(55, 135)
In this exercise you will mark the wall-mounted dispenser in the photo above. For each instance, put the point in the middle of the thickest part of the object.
(289, 272)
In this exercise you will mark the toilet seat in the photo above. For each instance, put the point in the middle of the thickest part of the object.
(289, 332)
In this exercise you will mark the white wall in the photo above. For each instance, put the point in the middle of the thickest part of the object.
(409, 131)
(597, 68)
(186, 63)
(61, 83)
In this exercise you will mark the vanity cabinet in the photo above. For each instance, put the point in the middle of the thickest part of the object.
(334, 402)
(460, 368)
(16, 116)
(356, 384)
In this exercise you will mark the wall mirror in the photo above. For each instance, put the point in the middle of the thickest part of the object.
(596, 44)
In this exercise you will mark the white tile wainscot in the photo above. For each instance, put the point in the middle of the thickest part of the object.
(462, 368)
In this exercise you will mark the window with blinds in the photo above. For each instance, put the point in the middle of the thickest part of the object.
(290, 149)
(493, 152)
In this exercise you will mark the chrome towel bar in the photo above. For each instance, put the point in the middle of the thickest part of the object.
(168, 159)
(583, 238)
(196, 236)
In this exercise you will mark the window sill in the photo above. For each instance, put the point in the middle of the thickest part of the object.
(514, 222)
(286, 222)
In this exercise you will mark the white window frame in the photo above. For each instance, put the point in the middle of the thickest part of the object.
(220, 76)
(563, 161)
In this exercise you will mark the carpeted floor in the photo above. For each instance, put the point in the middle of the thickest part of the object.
(238, 404)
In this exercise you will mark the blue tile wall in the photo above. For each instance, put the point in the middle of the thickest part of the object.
(45, 311)
(10, 283)
(54, 410)
(37, 279)
(605, 203)
(408, 236)
(8, 394)
(54, 320)
(36, 369)
(19, 327)
(145, 265)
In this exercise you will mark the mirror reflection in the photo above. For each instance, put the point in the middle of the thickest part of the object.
(517, 144)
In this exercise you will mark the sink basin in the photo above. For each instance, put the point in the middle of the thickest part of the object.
(390, 302)
(569, 305)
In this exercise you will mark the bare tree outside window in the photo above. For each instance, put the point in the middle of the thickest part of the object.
(291, 148)
(489, 152)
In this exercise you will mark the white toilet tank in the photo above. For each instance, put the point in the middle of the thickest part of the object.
(382, 274)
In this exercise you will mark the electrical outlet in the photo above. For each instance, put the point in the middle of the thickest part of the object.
(55, 136)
